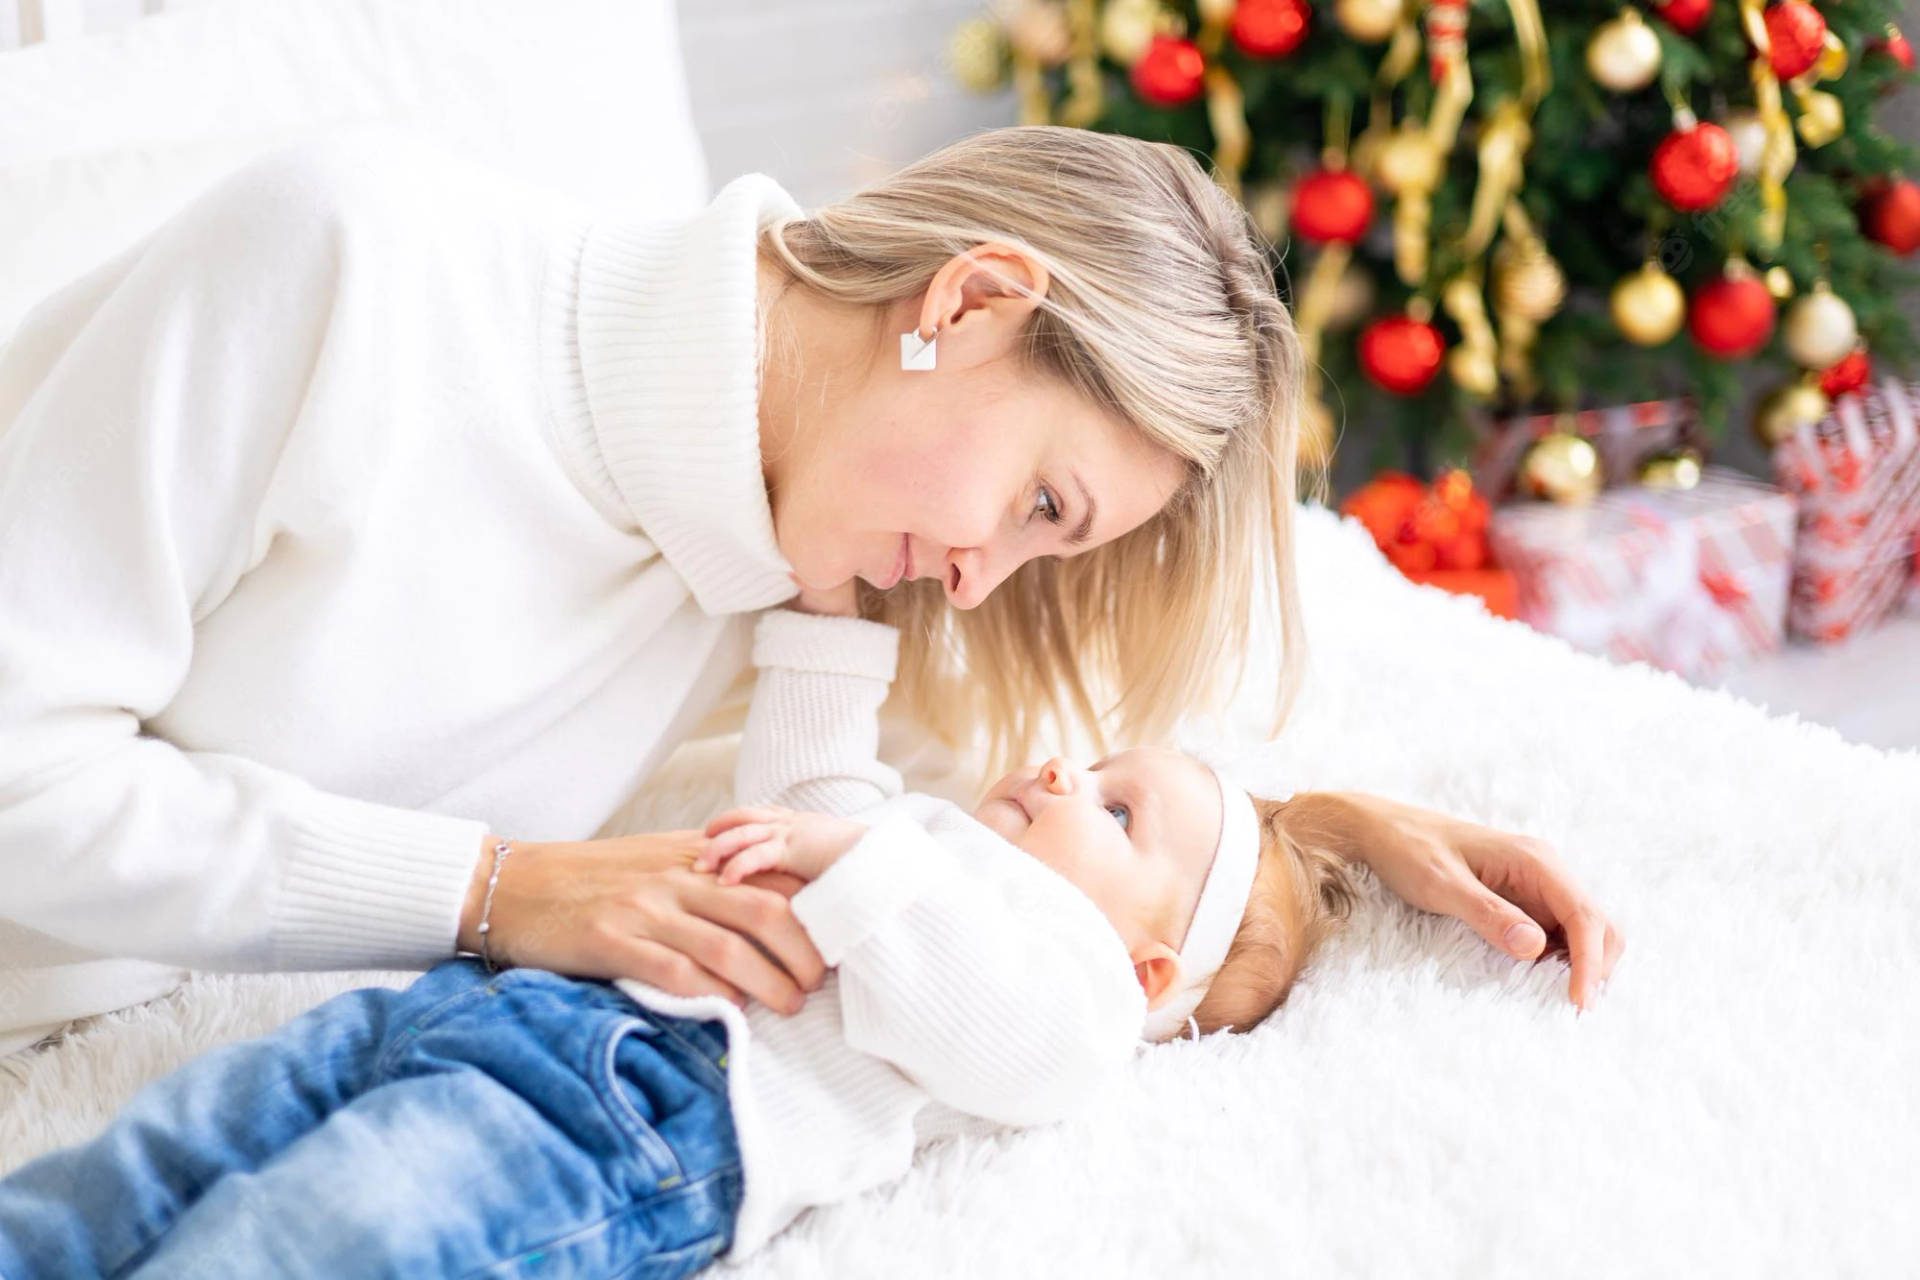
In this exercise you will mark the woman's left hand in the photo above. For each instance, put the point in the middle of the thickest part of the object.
(1512, 889)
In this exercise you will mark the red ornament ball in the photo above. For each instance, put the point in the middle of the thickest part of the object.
(1170, 72)
(1731, 317)
(1332, 204)
(1849, 373)
(1891, 215)
(1795, 33)
(1685, 16)
(1895, 46)
(1402, 354)
(1270, 28)
(1693, 168)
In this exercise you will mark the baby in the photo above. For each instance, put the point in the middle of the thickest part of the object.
(985, 971)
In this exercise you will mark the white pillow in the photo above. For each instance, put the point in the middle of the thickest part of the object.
(103, 136)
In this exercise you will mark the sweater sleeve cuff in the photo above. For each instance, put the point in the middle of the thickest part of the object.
(372, 886)
(829, 645)
(893, 864)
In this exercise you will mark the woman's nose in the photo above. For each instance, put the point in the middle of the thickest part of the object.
(972, 574)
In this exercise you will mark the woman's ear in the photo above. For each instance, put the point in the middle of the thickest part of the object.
(974, 286)
(1158, 967)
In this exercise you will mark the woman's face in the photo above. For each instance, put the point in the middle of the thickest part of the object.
(960, 474)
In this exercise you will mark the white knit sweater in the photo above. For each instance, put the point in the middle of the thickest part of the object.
(371, 503)
(972, 985)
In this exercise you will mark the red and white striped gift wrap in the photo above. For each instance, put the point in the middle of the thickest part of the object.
(1857, 476)
(1691, 580)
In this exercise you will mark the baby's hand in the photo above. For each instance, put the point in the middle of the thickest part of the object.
(742, 842)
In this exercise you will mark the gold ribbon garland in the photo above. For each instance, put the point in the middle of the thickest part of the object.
(1226, 105)
(1777, 153)
(1085, 95)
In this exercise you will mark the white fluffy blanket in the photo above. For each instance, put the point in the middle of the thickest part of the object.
(1742, 1101)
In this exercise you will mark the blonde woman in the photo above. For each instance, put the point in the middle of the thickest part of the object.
(371, 530)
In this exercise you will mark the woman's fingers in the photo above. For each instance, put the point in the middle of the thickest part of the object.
(667, 969)
(726, 954)
(764, 916)
(1593, 943)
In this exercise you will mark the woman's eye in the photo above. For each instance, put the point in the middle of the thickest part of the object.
(1047, 505)
(1122, 815)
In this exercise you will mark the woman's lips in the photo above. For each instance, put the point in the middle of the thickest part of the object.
(902, 566)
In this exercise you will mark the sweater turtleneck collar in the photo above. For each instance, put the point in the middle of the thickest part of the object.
(658, 408)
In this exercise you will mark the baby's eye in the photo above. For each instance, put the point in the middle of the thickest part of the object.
(1122, 815)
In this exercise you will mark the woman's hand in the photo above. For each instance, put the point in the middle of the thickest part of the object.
(1512, 889)
(756, 838)
(634, 907)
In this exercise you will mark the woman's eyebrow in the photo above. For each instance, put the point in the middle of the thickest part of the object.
(1083, 530)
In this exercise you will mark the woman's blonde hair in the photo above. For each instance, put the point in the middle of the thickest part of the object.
(1162, 311)
(1302, 893)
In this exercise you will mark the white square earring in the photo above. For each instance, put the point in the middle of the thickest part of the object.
(915, 353)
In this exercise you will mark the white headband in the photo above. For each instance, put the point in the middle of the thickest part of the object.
(1223, 902)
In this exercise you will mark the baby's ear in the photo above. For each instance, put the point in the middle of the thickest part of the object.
(1158, 967)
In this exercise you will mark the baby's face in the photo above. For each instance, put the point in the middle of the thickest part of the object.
(1135, 831)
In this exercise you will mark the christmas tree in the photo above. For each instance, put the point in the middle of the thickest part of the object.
(1495, 209)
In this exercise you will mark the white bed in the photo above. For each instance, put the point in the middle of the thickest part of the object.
(1744, 1100)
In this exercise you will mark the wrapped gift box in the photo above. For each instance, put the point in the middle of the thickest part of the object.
(1856, 475)
(1691, 580)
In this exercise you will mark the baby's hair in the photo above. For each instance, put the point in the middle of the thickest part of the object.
(1302, 893)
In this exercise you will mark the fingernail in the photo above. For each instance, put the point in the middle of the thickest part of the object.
(1522, 935)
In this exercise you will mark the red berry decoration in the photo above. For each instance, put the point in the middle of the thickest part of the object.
(1684, 16)
(1402, 354)
(1795, 33)
(1694, 166)
(1849, 373)
(1891, 216)
(1270, 28)
(1895, 46)
(1169, 73)
(1332, 204)
(1731, 317)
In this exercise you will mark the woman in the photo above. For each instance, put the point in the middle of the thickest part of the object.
(373, 509)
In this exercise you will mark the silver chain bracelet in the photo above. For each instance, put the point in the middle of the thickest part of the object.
(500, 852)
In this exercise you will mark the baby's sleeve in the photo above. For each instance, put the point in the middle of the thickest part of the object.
(812, 737)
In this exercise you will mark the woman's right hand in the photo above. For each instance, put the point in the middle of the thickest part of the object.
(634, 907)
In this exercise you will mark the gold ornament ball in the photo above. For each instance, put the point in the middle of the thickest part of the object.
(1409, 161)
(1822, 119)
(1786, 409)
(1679, 469)
(1648, 306)
(1474, 372)
(1624, 54)
(1368, 21)
(1833, 58)
(1779, 282)
(977, 55)
(1527, 281)
(1316, 433)
(1127, 27)
(1749, 134)
(1819, 329)
(1039, 30)
(1563, 467)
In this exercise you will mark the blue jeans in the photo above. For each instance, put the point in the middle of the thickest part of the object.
(519, 1124)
